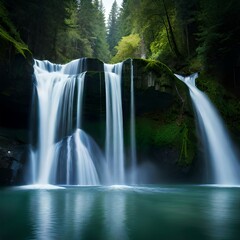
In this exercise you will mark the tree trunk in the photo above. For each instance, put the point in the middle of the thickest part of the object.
(175, 48)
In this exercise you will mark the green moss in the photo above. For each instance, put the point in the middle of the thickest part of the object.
(145, 132)
(168, 134)
(226, 103)
(9, 33)
(159, 68)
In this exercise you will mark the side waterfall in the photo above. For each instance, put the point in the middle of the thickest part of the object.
(216, 142)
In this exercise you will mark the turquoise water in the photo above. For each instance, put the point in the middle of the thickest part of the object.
(121, 212)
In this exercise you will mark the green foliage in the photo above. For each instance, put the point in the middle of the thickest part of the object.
(9, 33)
(128, 47)
(176, 135)
(19, 46)
(112, 36)
(219, 35)
(58, 31)
(38, 24)
(159, 68)
(227, 104)
(168, 134)
(84, 34)
(160, 47)
(126, 19)
(154, 21)
(101, 47)
(145, 131)
(69, 42)
(188, 149)
(186, 26)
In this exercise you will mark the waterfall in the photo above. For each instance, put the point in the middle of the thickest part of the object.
(54, 159)
(133, 177)
(114, 122)
(63, 153)
(215, 138)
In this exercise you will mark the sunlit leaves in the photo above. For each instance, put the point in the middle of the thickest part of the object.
(128, 47)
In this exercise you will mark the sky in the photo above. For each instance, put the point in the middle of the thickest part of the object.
(108, 5)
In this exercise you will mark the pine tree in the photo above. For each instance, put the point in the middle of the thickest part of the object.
(39, 24)
(125, 19)
(112, 36)
(101, 48)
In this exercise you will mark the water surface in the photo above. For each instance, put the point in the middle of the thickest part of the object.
(121, 212)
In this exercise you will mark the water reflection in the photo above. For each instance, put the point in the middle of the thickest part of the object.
(115, 214)
(166, 212)
(222, 214)
(42, 215)
(61, 213)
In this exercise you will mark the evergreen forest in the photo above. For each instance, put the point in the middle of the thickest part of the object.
(187, 35)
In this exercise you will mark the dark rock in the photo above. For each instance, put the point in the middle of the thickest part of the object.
(11, 160)
(16, 88)
(166, 167)
(93, 65)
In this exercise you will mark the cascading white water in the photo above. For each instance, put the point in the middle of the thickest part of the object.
(114, 123)
(133, 171)
(215, 138)
(63, 152)
(56, 88)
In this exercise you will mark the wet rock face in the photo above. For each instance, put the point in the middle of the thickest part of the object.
(16, 88)
(11, 160)
(9, 167)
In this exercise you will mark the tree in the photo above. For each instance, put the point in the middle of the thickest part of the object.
(126, 18)
(187, 25)
(9, 36)
(150, 19)
(128, 47)
(38, 24)
(219, 36)
(101, 47)
(112, 36)
(169, 29)
(70, 44)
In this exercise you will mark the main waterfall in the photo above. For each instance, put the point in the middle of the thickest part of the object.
(61, 155)
(62, 152)
(215, 139)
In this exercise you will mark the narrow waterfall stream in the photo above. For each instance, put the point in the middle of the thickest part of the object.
(133, 175)
(214, 136)
(114, 123)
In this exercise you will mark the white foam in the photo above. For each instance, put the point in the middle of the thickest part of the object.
(40, 186)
